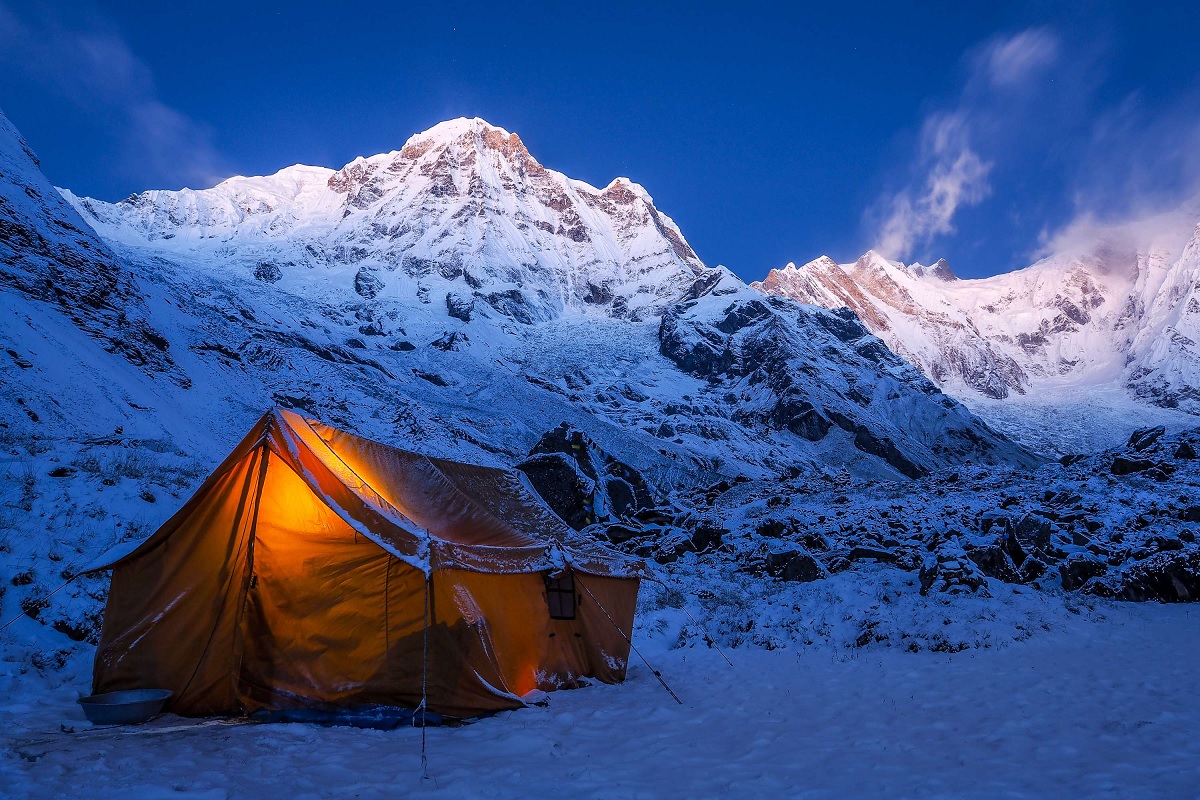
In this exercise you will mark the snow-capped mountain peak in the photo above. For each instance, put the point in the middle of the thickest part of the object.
(1118, 311)
(938, 269)
(461, 208)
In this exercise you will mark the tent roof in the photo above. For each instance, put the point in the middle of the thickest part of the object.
(432, 513)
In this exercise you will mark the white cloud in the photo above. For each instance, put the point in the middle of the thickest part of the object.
(955, 176)
(949, 171)
(1138, 231)
(95, 69)
(1013, 60)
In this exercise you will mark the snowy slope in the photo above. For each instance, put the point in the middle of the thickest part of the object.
(750, 416)
(462, 259)
(1112, 314)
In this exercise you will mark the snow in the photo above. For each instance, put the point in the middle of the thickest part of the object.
(463, 198)
(1099, 709)
(1064, 420)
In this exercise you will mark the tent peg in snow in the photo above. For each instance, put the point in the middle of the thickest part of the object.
(317, 570)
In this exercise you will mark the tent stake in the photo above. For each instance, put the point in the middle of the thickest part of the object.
(632, 646)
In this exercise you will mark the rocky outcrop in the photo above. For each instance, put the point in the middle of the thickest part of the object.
(807, 371)
(1125, 306)
(461, 207)
(582, 483)
(48, 253)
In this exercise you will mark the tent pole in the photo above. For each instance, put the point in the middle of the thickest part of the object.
(632, 646)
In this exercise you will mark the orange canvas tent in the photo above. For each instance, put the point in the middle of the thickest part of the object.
(317, 569)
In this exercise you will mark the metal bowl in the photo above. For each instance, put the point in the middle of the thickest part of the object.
(124, 708)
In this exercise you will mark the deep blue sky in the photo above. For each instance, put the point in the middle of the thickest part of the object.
(769, 132)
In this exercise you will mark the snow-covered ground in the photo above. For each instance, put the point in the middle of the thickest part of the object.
(1101, 705)
(1074, 419)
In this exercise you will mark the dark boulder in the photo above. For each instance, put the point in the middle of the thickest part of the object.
(621, 498)
(1078, 569)
(1127, 466)
(1185, 450)
(1190, 514)
(614, 489)
(1145, 437)
(861, 553)
(994, 562)
(1168, 577)
(998, 520)
(708, 536)
(564, 488)
(949, 569)
(795, 565)
(1165, 543)
(1031, 533)
(620, 533)
(1032, 569)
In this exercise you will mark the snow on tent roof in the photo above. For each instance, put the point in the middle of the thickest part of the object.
(430, 512)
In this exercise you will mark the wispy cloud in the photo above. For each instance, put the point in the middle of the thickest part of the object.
(1010, 61)
(1137, 180)
(87, 62)
(950, 171)
(955, 175)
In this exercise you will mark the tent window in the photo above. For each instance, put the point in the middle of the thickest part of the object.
(560, 594)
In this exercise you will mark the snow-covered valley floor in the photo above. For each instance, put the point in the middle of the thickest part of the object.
(1102, 706)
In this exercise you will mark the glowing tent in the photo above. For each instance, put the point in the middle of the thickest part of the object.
(317, 569)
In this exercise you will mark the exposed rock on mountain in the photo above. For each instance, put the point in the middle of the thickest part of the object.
(463, 236)
(583, 483)
(462, 203)
(455, 298)
(805, 370)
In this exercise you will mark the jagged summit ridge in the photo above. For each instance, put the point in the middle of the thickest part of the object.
(460, 207)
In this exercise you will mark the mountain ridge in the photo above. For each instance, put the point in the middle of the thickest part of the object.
(1096, 316)
(429, 267)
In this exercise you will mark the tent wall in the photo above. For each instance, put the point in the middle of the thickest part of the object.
(532, 650)
(172, 611)
(316, 625)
